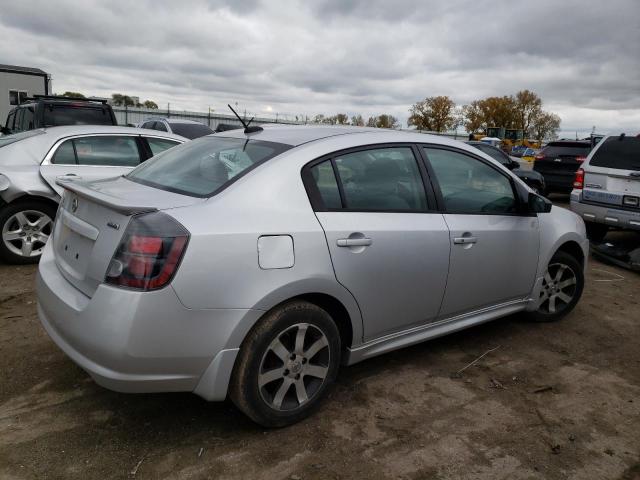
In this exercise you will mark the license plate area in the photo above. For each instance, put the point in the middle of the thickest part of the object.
(73, 251)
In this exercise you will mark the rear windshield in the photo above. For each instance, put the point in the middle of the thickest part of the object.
(573, 149)
(57, 115)
(620, 153)
(190, 130)
(16, 137)
(205, 166)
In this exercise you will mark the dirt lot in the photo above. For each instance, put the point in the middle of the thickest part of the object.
(551, 401)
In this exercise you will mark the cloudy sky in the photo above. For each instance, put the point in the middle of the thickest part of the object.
(359, 56)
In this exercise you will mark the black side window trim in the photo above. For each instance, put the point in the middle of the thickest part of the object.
(316, 199)
(521, 206)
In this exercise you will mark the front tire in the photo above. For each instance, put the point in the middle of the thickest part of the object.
(25, 227)
(286, 365)
(561, 289)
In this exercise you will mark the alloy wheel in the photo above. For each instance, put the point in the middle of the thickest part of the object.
(294, 367)
(25, 233)
(558, 288)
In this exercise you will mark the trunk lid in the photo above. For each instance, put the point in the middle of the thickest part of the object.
(92, 219)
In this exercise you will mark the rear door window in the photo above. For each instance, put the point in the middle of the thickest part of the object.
(325, 182)
(114, 151)
(385, 179)
(619, 153)
(65, 155)
(159, 145)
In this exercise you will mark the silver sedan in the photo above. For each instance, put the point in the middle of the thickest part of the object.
(30, 163)
(252, 264)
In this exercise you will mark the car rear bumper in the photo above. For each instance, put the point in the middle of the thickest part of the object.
(132, 341)
(611, 216)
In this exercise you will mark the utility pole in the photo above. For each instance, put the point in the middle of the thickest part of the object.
(168, 109)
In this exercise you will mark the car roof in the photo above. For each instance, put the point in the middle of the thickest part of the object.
(69, 130)
(172, 120)
(295, 135)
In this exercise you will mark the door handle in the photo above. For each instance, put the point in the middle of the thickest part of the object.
(354, 242)
(464, 240)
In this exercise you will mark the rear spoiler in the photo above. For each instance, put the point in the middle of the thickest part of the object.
(118, 204)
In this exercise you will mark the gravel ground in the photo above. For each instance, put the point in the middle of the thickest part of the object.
(551, 401)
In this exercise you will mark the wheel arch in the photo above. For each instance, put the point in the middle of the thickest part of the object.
(27, 197)
(571, 247)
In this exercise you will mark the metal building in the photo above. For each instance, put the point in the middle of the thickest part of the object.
(18, 83)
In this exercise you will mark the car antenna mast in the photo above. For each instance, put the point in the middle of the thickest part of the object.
(247, 128)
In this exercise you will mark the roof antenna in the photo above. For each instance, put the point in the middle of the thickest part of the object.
(622, 135)
(247, 128)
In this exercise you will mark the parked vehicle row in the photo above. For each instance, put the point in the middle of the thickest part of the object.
(254, 263)
(31, 163)
(185, 128)
(558, 162)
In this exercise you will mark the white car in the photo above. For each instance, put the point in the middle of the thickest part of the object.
(32, 161)
(606, 189)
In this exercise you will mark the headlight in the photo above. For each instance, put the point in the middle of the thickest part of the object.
(4, 183)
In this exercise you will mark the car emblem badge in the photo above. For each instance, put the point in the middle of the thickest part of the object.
(74, 204)
(113, 225)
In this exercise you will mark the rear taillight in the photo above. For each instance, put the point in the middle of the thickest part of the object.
(539, 157)
(578, 181)
(580, 159)
(149, 252)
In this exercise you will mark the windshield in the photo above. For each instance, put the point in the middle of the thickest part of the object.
(16, 137)
(57, 115)
(205, 166)
(571, 149)
(620, 153)
(190, 130)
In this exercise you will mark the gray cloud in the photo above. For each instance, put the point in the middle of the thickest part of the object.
(359, 56)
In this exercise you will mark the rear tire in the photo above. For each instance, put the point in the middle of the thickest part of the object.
(286, 365)
(596, 231)
(561, 289)
(25, 226)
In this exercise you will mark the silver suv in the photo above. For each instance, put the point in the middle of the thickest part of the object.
(254, 263)
(606, 190)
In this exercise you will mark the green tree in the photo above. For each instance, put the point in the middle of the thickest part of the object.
(474, 119)
(357, 120)
(152, 104)
(436, 114)
(528, 106)
(371, 122)
(499, 111)
(320, 118)
(545, 126)
(72, 94)
(342, 119)
(122, 100)
(386, 121)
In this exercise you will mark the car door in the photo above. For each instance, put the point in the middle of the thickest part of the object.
(494, 248)
(388, 245)
(91, 157)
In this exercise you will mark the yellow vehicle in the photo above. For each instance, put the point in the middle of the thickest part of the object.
(510, 137)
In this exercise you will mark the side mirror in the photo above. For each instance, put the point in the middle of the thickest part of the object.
(538, 204)
(512, 165)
